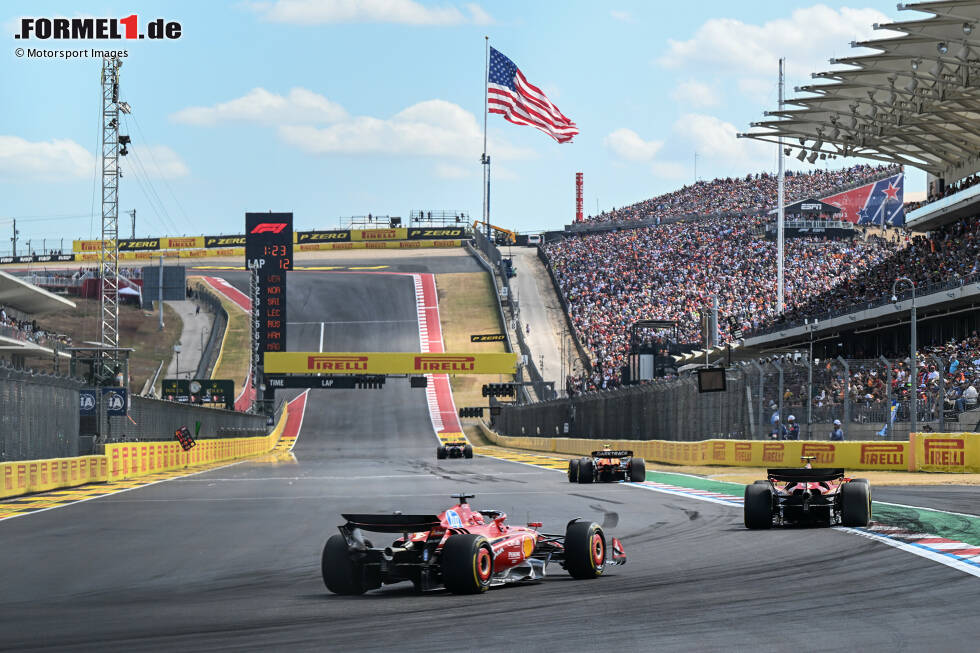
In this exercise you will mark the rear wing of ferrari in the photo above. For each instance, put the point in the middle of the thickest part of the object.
(804, 475)
(391, 523)
(621, 453)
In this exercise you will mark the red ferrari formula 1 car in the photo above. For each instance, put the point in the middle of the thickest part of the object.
(808, 495)
(460, 449)
(464, 550)
(607, 466)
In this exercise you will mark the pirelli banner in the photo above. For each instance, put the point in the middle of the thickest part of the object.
(388, 363)
(450, 236)
(925, 452)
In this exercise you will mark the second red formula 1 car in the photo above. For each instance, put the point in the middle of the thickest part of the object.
(464, 550)
(606, 466)
(807, 495)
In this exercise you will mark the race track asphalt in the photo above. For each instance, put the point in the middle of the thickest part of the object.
(229, 559)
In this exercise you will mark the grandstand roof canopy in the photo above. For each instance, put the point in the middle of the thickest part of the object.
(28, 298)
(914, 102)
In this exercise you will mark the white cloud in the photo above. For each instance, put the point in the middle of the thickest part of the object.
(694, 94)
(404, 12)
(433, 128)
(628, 145)
(619, 14)
(259, 105)
(716, 143)
(54, 160)
(448, 171)
(809, 36)
(161, 162)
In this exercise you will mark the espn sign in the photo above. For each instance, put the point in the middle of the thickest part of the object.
(883, 453)
(444, 364)
(347, 364)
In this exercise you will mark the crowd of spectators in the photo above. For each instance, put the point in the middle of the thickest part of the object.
(947, 254)
(951, 189)
(744, 195)
(671, 271)
(28, 330)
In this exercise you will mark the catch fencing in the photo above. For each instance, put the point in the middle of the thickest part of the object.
(155, 419)
(38, 415)
(868, 396)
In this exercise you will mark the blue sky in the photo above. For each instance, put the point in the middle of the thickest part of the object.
(333, 108)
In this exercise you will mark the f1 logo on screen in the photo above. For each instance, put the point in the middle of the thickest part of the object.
(269, 228)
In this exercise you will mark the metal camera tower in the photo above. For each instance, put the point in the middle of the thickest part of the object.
(113, 146)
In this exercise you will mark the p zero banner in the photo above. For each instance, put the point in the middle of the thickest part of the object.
(879, 203)
(224, 241)
(137, 244)
(437, 233)
(388, 363)
(336, 236)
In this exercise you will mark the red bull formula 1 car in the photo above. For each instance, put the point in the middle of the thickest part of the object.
(460, 449)
(821, 496)
(607, 466)
(463, 550)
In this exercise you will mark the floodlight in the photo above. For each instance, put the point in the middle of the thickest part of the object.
(812, 158)
(801, 155)
(915, 64)
(124, 107)
(967, 28)
(942, 48)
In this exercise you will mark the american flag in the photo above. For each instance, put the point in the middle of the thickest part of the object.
(517, 100)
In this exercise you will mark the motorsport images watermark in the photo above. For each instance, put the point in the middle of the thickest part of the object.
(37, 53)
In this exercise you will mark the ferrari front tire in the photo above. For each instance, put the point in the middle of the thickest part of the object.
(586, 470)
(341, 574)
(855, 499)
(573, 470)
(757, 507)
(468, 451)
(467, 564)
(585, 550)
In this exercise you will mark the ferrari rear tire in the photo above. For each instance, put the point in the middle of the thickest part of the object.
(757, 509)
(760, 482)
(585, 550)
(573, 470)
(467, 563)
(441, 452)
(863, 480)
(855, 499)
(341, 574)
(586, 470)
(638, 470)
(467, 451)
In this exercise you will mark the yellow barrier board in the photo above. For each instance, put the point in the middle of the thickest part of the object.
(388, 363)
(27, 476)
(240, 251)
(945, 452)
(734, 453)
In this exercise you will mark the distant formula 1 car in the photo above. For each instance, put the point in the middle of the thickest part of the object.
(606, 466)
(460, 449)
(807, 495)
(464, 550)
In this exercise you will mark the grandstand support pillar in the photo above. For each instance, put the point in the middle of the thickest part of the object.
(758, 369)
(889, 429)
(940, 405)
(846, 417)
(781, 201)
(779, 368)
(809, 382)
(914, 356)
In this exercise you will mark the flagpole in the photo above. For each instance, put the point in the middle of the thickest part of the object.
(485, 160)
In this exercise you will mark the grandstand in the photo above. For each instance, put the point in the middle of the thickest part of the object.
(20, 335)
